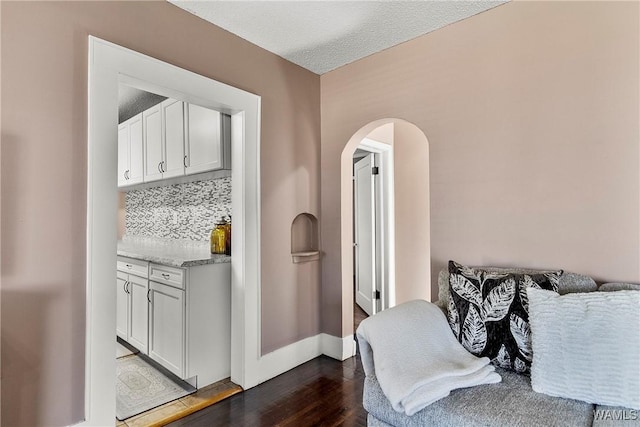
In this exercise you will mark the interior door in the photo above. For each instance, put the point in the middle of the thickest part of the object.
(364, 234)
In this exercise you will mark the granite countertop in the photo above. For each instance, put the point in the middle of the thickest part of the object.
(176, 253)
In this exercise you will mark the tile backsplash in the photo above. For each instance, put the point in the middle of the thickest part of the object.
(179, 211)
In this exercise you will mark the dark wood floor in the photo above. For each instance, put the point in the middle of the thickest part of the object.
(322, 392)
(358, 316)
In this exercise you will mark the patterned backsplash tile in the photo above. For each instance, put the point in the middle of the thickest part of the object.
(180, 211)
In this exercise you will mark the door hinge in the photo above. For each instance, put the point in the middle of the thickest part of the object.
(376, 295)
(374, 170)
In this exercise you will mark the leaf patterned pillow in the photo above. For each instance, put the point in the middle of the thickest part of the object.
(489, 312)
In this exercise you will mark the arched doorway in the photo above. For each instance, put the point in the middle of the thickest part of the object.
(406, 272)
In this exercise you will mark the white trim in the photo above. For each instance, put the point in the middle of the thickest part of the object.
(108, 65)
(338, 348)
(286, 358)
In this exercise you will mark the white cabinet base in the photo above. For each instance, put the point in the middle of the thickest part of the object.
(209, 323)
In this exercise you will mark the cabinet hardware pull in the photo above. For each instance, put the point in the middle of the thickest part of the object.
(166, 276)
(126, 284)
(127, 172)
(148, 296)
(124, 174)
(129, 266)
(124, 287)
(163, 169)
(160, 167)
(184, 162)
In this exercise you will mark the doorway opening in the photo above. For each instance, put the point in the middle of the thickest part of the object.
(385, 221)
(373, 203)
(109, 66)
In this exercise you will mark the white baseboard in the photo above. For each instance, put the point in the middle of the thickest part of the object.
(338, 348)
(286, 358)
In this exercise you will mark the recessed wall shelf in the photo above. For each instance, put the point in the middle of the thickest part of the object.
(304, 238)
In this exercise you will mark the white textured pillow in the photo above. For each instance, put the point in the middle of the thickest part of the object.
(586, 346)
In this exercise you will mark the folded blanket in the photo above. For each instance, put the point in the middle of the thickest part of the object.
(415, 357)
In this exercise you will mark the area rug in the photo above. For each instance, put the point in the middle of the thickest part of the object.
(140, 387)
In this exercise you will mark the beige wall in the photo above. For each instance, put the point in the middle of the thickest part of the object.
(531, 112)
(44, 119)
(411, 176)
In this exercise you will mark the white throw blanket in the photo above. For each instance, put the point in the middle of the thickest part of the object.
(415, 357)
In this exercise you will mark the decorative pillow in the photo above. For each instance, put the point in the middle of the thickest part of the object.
(488, 312)
(586, 346)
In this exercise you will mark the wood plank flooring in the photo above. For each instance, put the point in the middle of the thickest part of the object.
(358, 316)
(321, 392)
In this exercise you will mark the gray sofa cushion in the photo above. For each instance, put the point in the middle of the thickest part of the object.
(569, 282)
(619, 286)
(509, 403)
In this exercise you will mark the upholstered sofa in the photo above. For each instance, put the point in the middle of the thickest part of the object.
(511, 402)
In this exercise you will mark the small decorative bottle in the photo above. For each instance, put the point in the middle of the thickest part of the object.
(218, 239)
(228, 237)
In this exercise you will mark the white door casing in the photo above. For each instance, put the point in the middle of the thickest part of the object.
(110, 65)
(364, 234)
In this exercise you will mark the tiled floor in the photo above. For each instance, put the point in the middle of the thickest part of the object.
(182, 407)
(122, 351)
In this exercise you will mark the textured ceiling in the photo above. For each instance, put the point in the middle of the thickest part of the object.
(324, 35)
(132, 101)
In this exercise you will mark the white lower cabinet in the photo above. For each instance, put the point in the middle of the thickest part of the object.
(131, 303)
(167, 327)
(122, 306)
(190, 321)
(138, 323)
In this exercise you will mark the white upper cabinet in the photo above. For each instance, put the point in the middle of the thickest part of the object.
(164, 140)
(172, 139)
(130, 151)
(173, 116)
(153, 150)
(204, 148)
(136, 150)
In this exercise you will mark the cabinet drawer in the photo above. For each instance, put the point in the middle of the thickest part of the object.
(168, 275)
(133, 266)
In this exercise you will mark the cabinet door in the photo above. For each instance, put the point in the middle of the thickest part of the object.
(153, 154)
(173, 138)
(135, 173)
(138, 316)
(123, 153)
(204, 146)
(167, 327)
(122, 306)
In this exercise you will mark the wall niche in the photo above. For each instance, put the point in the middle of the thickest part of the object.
(304, 238)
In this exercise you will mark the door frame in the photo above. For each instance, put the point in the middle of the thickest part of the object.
(384, 221)
(109, 65)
